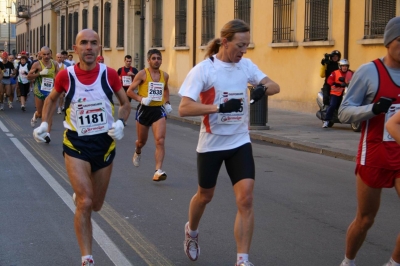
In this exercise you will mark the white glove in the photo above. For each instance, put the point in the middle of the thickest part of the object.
(44, 72)
(146, 100)
(168, 108)
(40, 132)
(117, 130)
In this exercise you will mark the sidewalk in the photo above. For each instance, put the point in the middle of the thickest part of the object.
(302, 131)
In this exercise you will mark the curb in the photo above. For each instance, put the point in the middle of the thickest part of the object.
(312, 148)
(286, 143)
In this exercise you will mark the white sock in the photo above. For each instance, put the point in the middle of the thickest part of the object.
(192, 233)
(393, 263)
(242, 257)
(87, 257)
(349, 262)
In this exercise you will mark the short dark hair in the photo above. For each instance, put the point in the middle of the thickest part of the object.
(153, 51)
(127, 57)
(64, 52)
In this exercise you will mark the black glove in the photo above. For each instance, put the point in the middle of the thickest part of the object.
(382, 106)
(257, 93)
(233, 105)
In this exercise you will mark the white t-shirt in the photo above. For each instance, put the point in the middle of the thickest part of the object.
(216, 82)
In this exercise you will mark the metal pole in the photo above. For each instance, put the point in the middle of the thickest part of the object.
(9, 33)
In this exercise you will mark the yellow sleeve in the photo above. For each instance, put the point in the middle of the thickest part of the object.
(322, 71)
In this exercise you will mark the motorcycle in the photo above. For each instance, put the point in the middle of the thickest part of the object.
(356, 126)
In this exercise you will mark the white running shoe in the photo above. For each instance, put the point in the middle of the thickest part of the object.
(345, 263)
(325, 124)
(33, 120)
(136, 159)
(159, 175)
(191, 245)
(244, 263)
(59, 110)
(10, 105)
(1, 106)
(23, 108)
(47, 138)
(88, 262)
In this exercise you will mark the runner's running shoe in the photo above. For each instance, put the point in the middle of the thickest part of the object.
(33, 120)
(88, 262)
(1, 106)
(244, 263)
(23, 108)
(47, 138)
(159, 175)
(136, 159)
(59, 110)
(191, 245)
(10, 105)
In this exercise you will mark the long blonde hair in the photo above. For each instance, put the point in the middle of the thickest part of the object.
(228, 31)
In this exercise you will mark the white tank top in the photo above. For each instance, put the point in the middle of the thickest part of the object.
(89, 109)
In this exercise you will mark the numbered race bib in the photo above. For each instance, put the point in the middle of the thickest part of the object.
(47, 84)
(91, 118)
(156, 91)
(394, 108)
(235, 117)
(126, 80)
(6, 72)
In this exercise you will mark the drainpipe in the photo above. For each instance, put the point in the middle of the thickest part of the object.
(101, 27)
(142, 55)
(346, 29)
(194, 31)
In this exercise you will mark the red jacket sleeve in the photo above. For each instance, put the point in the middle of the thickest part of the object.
(331, 79)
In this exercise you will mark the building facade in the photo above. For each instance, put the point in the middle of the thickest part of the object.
(288, 37)
(7, 26)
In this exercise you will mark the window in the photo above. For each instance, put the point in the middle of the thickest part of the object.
(107, 24)
(30, 41)
(283, 27)
(95, 22)
(13, 30)
(120, 23)
(69, 39)
(377, 15)
(84, 19)
(48, 34)
(242, 10)
(62, 32)
(157, 23)
(208, 21)
(75, 25)
(180, 22)
(37, 39)
(41, 39)
(316, 20)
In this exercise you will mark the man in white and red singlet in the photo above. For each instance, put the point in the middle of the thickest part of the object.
(90, 131)
(127, 73)
(373, 97)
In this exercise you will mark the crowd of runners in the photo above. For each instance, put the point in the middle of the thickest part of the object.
(215, 88)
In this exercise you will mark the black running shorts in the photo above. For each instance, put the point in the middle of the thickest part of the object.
(239, 164)
(98, 150)
(147, 115)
